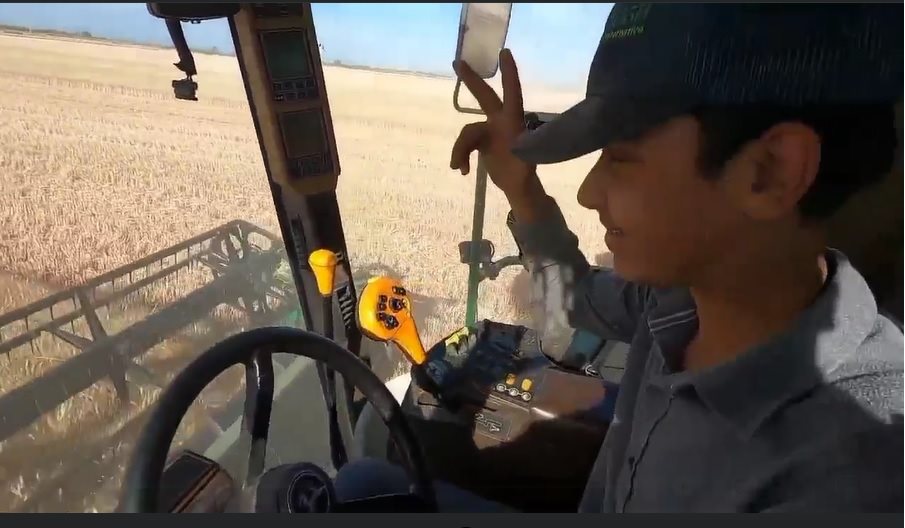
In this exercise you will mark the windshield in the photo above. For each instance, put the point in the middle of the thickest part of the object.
(137, 230)
(135, 226)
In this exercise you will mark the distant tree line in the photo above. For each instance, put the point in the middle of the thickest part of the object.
(213, 50)
(10, 28)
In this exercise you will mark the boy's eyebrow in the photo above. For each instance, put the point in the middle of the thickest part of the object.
(623, 148)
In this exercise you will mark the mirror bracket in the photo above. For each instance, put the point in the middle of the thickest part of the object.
(488, 268)
(533, 120)
(174, 15)
(459, 108)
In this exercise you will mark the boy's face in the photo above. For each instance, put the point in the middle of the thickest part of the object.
(665, 222)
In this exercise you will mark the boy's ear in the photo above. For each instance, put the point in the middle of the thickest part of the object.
(776, 170)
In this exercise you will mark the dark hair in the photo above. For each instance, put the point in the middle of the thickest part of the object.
(858, 145)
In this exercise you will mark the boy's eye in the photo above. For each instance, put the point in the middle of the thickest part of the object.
(619, 156)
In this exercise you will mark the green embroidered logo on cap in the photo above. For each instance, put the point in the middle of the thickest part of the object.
(626, 20)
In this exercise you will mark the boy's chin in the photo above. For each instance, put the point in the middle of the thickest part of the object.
(644, 272)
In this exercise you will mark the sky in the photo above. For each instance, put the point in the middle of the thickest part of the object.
(552, 43)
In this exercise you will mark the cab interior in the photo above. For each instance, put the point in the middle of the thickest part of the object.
(522, 431)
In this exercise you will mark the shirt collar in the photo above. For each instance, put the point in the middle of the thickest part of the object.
(750, 388)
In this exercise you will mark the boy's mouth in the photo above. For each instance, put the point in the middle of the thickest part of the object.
(610, 228)
(612, 237)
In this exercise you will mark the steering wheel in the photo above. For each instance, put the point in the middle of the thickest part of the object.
(253, 349)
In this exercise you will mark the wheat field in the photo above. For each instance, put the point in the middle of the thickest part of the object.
(100, 165)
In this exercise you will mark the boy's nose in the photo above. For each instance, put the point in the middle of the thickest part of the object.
(592, 192)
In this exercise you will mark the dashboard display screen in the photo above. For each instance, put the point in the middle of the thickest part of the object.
(303, 133)
(286, 53)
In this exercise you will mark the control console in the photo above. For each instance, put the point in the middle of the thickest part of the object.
(491, 411)
(495, 415)
(490, 360)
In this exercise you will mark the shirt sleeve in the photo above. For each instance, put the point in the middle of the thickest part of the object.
(567, 292)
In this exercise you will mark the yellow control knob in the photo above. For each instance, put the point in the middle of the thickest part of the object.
(385, 314)
(526, 384)
(323, 264)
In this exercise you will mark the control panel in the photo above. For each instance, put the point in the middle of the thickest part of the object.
(284, 76)
(495, 415)
(491, 412)
(489, 362)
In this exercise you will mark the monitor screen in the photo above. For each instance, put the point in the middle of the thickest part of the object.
(303, 133)
(286, 53)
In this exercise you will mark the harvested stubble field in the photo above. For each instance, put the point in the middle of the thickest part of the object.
(100, 166)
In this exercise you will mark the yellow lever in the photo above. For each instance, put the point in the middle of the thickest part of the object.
(385, 314)
(323, 264)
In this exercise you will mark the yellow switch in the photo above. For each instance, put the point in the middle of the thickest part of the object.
(510, 379)
(526, 384)
(323, 264)
(456, 337)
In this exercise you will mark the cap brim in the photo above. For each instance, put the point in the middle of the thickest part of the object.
(591, 125)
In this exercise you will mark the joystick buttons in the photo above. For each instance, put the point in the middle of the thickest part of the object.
(384, 314)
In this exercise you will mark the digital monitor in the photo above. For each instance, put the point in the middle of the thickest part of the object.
(304, 133)
(286, 53)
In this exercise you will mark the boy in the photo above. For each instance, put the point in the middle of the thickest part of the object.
(761, 376)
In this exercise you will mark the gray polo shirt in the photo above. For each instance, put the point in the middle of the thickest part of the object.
(810, 421)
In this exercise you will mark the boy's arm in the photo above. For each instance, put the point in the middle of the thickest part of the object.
(567, 293)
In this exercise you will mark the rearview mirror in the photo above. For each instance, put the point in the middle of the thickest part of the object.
(482, 33)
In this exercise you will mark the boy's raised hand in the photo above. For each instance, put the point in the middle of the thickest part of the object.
(494, 137)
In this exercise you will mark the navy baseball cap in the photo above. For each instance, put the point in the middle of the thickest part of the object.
(658, 61)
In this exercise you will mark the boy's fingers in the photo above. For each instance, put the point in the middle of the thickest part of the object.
(469, 140)
(513, 104)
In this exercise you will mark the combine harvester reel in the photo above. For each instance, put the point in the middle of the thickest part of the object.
(247, 271)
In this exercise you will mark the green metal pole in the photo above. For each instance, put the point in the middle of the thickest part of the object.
(477, 234)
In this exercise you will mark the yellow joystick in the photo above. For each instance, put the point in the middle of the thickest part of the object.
(323, 264)
(385, 314)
